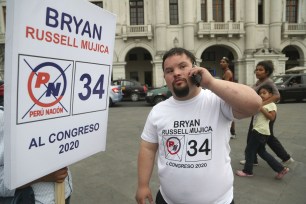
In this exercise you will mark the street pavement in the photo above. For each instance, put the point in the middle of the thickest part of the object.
(110, 177)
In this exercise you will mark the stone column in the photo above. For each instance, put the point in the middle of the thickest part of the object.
(115, 8)
(119, 70)
(188, 25)
(275, 25)
(240, 71)
(250, 77)
(209, 10)
(250, 23)
(238, 14)
(160, 27)
(227, 11)
(158, 74)
(281, 66)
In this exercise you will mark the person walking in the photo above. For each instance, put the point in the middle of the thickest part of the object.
(228, 76)
(259, 136)
(190, 131)
(263, 71)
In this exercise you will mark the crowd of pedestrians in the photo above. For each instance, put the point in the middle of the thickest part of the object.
(259, 135)
(262, 133)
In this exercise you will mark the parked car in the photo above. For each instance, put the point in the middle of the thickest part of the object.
(115, 94)
(131, 89)
(157, 95)
(291, 86)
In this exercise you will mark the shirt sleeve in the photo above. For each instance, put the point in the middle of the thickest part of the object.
(273, 86)
(149, 132)
(226, 110)
(4, 192)
(271, 107)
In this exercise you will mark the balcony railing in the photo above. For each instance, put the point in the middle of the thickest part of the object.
(137, 31)
(220, 28)
(294, 29)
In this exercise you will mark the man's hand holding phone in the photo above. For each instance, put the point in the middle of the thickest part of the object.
(196, 79)
(200, 76)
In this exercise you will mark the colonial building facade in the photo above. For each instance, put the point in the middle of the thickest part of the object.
(245, 31)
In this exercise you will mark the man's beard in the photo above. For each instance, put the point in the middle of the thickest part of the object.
(181, 91)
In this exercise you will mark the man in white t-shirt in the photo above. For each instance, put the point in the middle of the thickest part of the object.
(190, 131)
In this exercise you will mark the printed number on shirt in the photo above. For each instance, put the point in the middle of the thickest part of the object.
(198, 147)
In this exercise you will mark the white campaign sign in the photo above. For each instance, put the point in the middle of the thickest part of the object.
(58, 62)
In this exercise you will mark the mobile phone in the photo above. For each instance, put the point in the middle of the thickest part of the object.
(196, 79)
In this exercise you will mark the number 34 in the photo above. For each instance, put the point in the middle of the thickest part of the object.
(98, 87)
(194, 149)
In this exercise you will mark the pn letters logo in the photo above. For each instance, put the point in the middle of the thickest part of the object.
(44, 88)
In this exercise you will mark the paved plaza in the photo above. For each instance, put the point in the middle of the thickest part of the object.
(110, 177)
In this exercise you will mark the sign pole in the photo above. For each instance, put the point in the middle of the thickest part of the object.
(60, 193)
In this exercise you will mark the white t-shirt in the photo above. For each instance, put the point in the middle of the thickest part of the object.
(194, 165)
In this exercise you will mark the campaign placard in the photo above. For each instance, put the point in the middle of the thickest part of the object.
(58, 65)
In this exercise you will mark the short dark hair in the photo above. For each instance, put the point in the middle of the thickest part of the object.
(267, 65)
(267, 87)
(179, 51)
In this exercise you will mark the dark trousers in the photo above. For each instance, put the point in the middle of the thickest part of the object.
(272, 142)
(233, 130)
(67, 200)
(256, 144)
(160, 200)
